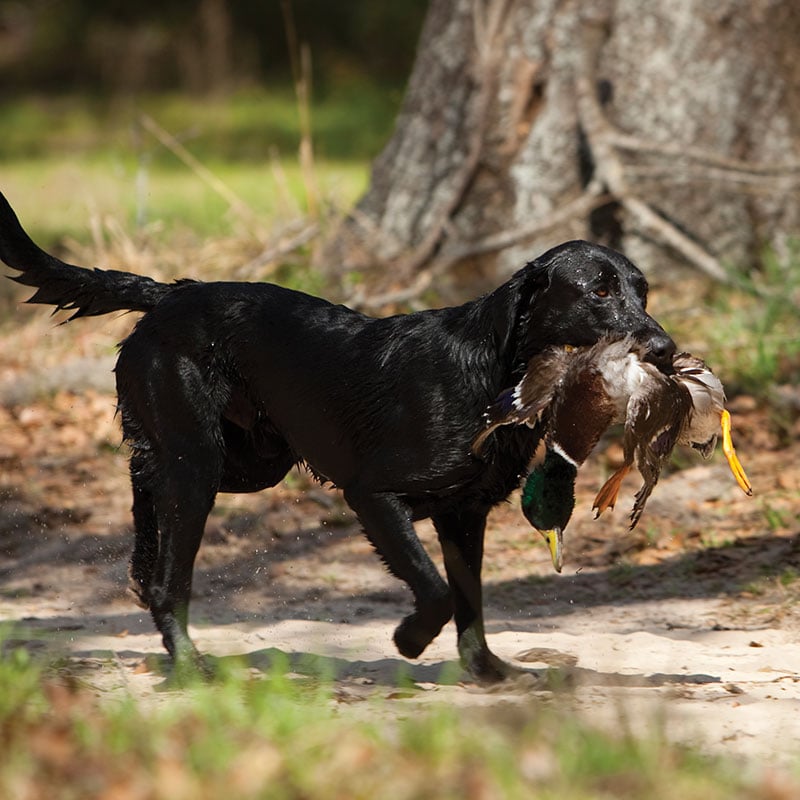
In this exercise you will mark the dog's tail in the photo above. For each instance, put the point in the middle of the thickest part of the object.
(88, 291)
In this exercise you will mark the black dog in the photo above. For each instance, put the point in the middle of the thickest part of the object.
(223, 387)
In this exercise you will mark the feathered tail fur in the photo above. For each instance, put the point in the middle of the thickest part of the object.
(88, 292)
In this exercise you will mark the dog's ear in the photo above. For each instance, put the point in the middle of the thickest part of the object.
(505, 305)
(510, 306)
(524, 287)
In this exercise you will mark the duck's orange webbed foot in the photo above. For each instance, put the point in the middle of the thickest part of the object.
(730, 453)
(607, 496)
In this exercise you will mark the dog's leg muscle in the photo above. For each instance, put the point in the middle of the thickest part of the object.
(183, 500)
(461, 536)
(387, 524)
(145, 546)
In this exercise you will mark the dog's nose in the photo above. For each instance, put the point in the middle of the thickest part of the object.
(660, 349)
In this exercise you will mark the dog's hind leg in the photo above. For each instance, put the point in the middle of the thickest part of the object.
(182, 500)
(170, 416)
(387, 524)
(461, 536)
(145, 547)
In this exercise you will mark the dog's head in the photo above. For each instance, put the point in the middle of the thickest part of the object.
(578, 292)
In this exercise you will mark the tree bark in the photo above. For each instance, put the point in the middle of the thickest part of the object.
(668, 130)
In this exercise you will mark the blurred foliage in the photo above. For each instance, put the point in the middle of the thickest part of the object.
(200, 45)
(246, 125)
(297, 737)
(748, 332)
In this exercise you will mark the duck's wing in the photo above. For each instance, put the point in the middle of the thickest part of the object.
(581, 412)
(656, 419)
(523, 404)
(655, 416)
(695, 372)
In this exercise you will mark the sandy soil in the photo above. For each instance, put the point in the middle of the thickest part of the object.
(687, 627)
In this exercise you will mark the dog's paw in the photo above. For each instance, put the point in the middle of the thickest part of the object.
(419, 629)
(411, 638)
(482, 665)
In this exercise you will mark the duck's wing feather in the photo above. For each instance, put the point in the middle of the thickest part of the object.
(522, 404)
(655, 420)
(655, 417)
(581, 412)
(708, 402)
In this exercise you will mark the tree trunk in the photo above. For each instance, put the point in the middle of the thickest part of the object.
(668, 130)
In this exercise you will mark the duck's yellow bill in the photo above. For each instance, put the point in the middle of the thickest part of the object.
(554, 541)
(730, 453)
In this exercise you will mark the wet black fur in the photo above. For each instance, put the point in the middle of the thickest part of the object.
(223, 387)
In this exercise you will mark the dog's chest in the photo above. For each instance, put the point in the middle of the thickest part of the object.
(508, 464)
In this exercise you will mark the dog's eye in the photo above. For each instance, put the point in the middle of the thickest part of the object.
(601, 292)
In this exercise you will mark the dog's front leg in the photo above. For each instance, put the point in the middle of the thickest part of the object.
(461, 536)
(387, 523)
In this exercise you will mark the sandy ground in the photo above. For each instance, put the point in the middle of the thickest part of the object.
(687, 628)
(657, 668)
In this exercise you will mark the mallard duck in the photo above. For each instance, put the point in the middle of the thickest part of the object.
(686, 407)
(583, 388)
(577, 393)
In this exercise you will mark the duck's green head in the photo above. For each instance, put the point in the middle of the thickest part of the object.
(548, 499)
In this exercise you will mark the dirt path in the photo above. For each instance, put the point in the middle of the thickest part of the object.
(658, 667)
(688, 627)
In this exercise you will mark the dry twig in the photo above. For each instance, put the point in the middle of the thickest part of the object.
(624, 141)
(206, 175)
(267, 260)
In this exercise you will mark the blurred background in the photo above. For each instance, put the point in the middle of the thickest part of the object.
(398, 156)
(200, 47)
(236, 85)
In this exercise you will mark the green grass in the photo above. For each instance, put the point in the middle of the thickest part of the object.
(87, 179)
(175, 202)
(287, 737)
(351, 123)
(61, 160)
